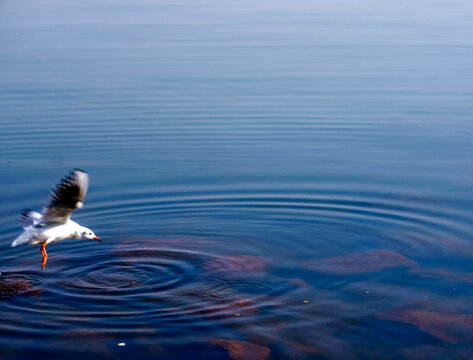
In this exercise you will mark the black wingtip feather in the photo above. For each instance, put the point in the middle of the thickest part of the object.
(25, 213)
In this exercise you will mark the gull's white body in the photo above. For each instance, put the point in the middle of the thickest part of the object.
(52, 233)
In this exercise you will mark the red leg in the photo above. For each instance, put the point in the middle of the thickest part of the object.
(45, 255)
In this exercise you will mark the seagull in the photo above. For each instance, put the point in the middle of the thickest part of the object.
(55, 223)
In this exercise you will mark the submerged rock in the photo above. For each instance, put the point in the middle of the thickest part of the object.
(360, 262)
(13, 287)
(449, 327)
(422, 352)
(239, 263)
(243, 350)
(442, 274)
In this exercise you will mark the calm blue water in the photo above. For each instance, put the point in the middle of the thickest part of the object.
(296, 176)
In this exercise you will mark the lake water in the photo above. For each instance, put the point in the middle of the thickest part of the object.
(271, 179)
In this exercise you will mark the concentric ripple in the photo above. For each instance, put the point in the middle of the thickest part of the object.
(136, 281)
(211, 273)
(131, 277)
(324, 214)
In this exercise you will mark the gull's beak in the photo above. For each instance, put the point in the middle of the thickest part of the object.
(97, 238)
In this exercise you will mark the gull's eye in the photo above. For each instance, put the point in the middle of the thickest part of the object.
(83, 233)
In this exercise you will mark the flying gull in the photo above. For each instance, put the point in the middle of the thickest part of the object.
(55, 223)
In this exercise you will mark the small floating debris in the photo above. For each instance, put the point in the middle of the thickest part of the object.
(306, 301)
(360, 262)
(121, 344)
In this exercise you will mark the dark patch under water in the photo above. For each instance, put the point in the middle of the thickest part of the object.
(271, 180)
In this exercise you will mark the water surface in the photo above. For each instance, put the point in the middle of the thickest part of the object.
(271, 180)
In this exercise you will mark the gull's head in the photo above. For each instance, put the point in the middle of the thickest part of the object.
(86, 233)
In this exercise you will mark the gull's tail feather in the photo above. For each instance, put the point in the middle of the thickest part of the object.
(29, 217)
(22, 239)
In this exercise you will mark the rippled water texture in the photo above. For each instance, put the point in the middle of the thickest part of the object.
(271, 180)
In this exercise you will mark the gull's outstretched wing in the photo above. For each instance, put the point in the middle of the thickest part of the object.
(68, 195)
(29, 217)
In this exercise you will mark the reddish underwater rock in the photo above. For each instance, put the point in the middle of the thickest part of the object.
(439, 246)
(240, 263)
(454, 247)
(422, 352)
(13, 287)
(448, 327)
(442, 274)
(360, 262)
(243, 350)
